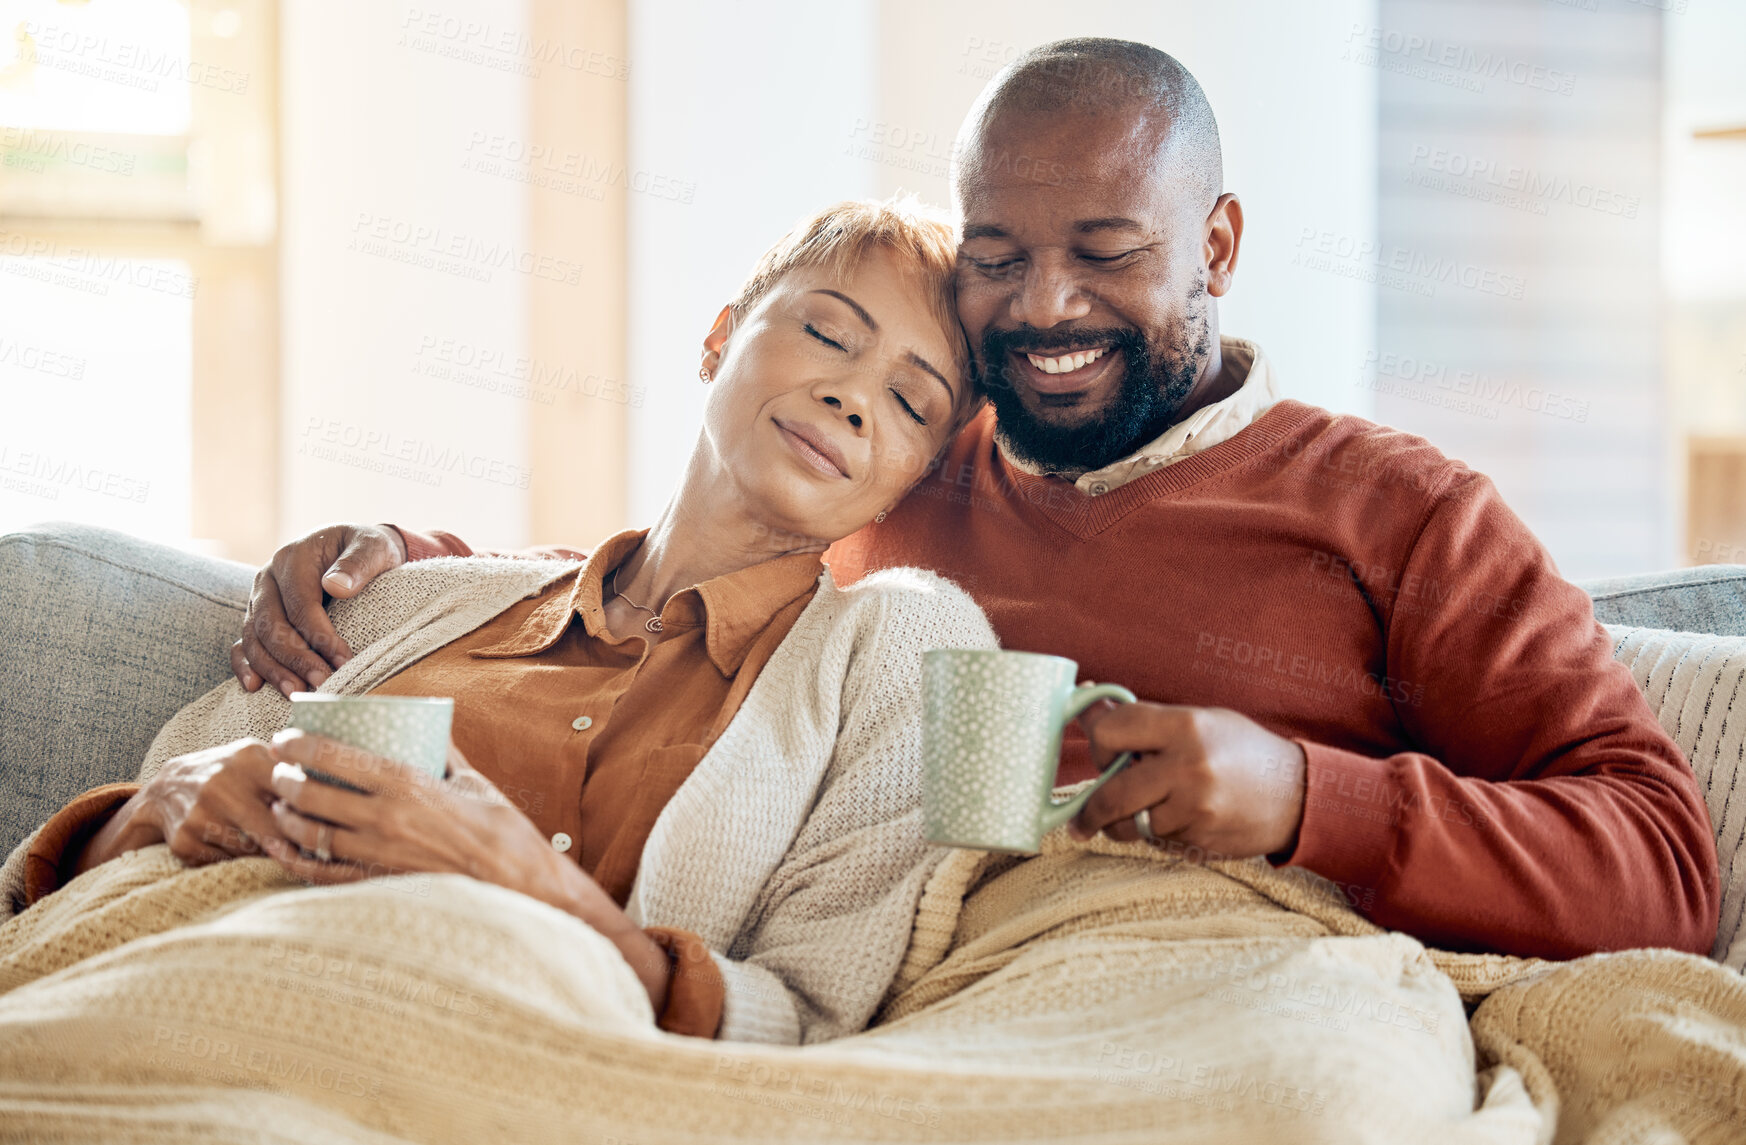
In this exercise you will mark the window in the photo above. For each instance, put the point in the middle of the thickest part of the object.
(138, 349)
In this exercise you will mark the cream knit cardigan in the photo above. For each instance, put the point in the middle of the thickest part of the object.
(795, 848)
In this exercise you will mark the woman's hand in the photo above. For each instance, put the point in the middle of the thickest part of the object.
(404, 821)
(209, 805)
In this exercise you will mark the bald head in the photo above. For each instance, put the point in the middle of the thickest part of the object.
(1173, 131)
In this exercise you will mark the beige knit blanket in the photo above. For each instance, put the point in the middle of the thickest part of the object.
(1095, 993)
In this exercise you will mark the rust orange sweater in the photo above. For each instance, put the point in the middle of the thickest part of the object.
(1481, 773)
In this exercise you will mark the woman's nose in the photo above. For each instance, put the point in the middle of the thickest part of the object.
(836, 403)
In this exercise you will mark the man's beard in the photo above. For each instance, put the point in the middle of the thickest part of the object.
(1156, 380)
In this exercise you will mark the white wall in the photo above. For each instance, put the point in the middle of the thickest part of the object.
(379, 114)
(758, 114)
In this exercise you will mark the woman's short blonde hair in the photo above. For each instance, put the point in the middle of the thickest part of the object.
(842, 234)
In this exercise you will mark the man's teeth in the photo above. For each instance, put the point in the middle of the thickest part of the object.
(1066, 363)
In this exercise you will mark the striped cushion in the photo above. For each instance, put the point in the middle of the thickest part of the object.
(1697, 685)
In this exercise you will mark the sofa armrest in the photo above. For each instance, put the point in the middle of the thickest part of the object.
(103, 637)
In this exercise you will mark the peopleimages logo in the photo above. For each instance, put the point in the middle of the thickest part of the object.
(64, 473)
(1418, 373)
(502, 48)
(411, 458)
(517, 375)
(37, 150)
(1388, 264)
(240, 1064)
(571, 172)
(1447, 62)
(1261, 657)
(435, 248)
(89, 271)
(118, 61)
(1526, 181)
(27, 357)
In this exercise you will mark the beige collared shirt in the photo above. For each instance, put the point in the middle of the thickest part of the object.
(1200, 431)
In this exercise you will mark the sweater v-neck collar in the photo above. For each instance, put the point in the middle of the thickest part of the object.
(1084, 516)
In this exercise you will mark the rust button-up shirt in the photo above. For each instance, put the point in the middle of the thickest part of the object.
(588, 734)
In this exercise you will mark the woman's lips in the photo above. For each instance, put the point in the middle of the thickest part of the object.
(1059, 372)
(813, 447)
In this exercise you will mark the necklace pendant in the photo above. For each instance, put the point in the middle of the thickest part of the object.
(653, 624)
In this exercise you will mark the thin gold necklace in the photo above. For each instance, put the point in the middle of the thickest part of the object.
(653, 623)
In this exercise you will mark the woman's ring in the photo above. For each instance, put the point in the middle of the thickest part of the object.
(324, 836)
(1143, 824)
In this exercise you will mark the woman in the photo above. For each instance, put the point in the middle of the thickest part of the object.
(764, 840)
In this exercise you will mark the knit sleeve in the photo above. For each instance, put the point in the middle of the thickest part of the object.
(1545, 813)
(422, 546)
(830, 927)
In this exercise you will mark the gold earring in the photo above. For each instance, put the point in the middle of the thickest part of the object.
(879, 516)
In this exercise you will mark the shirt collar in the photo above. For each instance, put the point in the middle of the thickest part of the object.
(1201, 430)
(739, 606)
(733, 609)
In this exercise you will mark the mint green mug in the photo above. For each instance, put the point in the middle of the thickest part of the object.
(411, 729)
(992, 723)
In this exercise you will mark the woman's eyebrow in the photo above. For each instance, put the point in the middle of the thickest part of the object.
(860, 311)
(916, 359)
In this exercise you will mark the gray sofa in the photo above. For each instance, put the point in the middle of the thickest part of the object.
(104, 636)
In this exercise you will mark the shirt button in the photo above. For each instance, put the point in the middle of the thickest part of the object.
(1098, 489)
(581, 723)
(560, 842)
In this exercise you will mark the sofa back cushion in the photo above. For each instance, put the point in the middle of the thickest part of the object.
(1708, 598)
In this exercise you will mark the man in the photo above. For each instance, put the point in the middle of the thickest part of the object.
(1353, 657)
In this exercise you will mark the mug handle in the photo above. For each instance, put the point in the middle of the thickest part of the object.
(1083, 697)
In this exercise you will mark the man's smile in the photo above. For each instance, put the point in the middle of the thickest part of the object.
(1067, 363)
(1061, 373)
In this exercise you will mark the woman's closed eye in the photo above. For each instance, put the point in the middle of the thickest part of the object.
(907, 408)
(831, 342)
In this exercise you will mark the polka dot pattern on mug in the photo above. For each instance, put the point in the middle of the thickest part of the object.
(411, 730)
(991, 734)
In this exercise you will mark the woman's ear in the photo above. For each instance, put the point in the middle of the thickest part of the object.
(714, 341)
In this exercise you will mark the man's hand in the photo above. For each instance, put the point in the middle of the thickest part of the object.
(1212, 778)
(287, 639)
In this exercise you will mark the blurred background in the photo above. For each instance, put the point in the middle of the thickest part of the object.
(264, 264)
